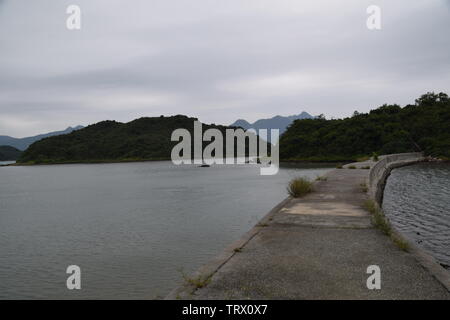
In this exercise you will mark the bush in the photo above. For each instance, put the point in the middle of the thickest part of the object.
(298, 187)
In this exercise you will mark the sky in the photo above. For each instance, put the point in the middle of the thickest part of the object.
(215, 60)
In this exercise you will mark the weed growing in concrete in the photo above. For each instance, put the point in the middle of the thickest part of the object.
(321, 178)
(298, 187)
(375, 156)
(351, 167)
(380, 221)
(262, 225)
(402, 244)
(197, 282)
(339, 166)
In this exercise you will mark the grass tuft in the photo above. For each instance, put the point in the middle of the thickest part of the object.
(263, 225)
(402, 244)
(321, 178)
(197, 282)
(351, 167)
(339, 166)
(375, 156)
(298, 187)
(380, 221)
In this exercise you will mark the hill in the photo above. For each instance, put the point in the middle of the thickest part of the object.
(23, 143)
(8, 153)
(277, 122)
(108, 141)
(424, 126)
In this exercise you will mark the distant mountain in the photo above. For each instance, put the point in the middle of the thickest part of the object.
(277, 122)
(111, 141)
(8, 153)
(23, 143)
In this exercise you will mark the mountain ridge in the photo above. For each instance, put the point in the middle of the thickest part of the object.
(277, 122)
(24, 143)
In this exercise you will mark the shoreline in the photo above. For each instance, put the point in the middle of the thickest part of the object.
(18, 164)
(282, 161)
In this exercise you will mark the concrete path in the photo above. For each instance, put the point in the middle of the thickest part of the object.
(317, 247)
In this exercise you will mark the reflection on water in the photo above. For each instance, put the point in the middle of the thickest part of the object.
(417, 201)
(131, 227)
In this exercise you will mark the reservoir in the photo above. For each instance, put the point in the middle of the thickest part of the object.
(132, 228)
(417, 201)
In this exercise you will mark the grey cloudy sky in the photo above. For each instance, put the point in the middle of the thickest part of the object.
(218, 60)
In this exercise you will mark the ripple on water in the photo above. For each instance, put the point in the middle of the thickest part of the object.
(417, 201)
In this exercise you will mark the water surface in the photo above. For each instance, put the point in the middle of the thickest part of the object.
(2, 163)
(417, 201)
(131, 227)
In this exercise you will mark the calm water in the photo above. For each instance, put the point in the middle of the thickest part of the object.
(6, 162)
(417, 200)
(130, 227)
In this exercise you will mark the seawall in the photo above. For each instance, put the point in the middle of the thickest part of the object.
(380, 171)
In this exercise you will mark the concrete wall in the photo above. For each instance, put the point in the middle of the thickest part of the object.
(381, 170)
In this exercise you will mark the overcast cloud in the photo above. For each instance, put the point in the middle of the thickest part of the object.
(218, 60)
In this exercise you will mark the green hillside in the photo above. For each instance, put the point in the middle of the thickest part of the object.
(110, 141)
(424, 126)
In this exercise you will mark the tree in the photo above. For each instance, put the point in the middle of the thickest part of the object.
(431, 98)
